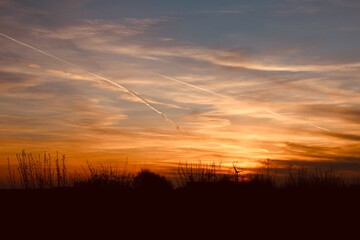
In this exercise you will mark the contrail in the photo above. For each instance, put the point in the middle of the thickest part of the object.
(97, 76)
(222, 96)
(304, 123)
(319, 127)
(188, 84)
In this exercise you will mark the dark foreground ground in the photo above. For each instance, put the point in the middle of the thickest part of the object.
(192, 213)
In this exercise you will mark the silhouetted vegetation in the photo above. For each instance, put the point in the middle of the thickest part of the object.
(38, 172)
(102, 176)
(303, 178)
(190, 173)
(205, 194)
(45, 172)
(146, 180)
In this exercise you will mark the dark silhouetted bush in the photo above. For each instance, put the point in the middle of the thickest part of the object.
(103, 176)
(145, 180)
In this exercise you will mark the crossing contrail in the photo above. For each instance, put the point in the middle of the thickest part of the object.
(233, 99)
(289, 119)
(190, 85)
(164, 116)
(318, 127)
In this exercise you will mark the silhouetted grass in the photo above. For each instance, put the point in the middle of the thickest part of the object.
(260, 181)
(102, 176)
(207, 194)
(190, 173)
(45, 172)
(303, 178)
(38, 172)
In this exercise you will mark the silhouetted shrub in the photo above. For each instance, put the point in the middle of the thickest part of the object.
(103, 176)
(200, 173)
(145, 180)
(259, 181)
(303, 178)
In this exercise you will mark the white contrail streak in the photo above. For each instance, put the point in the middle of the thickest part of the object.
(188, 84)
(230, 98)
(304, 123)
(96, 76)
(319, 127)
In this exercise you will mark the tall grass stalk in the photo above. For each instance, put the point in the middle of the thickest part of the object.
(103, 175)
(38, 172)
(301, 177)
(198, 173)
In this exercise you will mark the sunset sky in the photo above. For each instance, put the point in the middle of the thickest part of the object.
(160, 82)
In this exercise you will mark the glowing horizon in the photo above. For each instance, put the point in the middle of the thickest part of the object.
(243, 81)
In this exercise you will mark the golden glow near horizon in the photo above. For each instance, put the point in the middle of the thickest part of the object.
(241, 87)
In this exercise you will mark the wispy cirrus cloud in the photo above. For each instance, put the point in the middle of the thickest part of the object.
(227, 58)
(95, 28)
